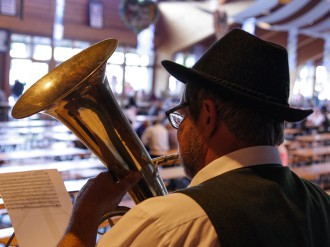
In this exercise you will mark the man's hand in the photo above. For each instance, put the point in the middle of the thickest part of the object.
(99, 196)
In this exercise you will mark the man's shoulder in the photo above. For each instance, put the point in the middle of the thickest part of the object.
(172, 205)
(163, 221)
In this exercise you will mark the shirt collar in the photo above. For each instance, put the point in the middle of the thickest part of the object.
(245, 157)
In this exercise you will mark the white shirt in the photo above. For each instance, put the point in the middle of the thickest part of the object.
(156, 137)
(176, 219)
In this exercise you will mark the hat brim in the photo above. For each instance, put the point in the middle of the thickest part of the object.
(268, 106)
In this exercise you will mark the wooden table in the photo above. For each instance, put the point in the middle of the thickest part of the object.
(4, 109)
(42, 130)
(311, 172)
(313, 138)
(28, 123)
(43, 153)
(11, 141)
(289, 131)
(310, 154)
(61, 166)
(63, 137)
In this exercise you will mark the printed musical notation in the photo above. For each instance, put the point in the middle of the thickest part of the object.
(29, 190)
(38, 205)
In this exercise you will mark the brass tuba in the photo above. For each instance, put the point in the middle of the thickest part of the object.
(77, 93)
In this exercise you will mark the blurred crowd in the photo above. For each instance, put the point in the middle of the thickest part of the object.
(151, 125)
(154, 130)
(159, 137)
(319, 121)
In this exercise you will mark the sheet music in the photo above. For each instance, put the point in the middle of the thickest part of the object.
(38, 205)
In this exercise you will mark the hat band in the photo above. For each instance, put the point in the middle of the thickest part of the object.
(246, 91)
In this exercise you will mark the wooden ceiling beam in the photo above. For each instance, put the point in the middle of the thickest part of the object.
(310, 50)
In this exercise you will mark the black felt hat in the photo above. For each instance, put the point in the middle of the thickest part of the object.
(248, 68)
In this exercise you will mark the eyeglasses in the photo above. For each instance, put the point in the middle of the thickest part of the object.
(175, 118)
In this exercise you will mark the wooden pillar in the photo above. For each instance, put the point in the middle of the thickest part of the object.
(161, 76)
(292, 56)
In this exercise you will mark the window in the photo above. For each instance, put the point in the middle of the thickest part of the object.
(115, 74)
(322, 85)
(118, 57)
(129, 72)
(65, 49)
(31, 57)
(304, 82)
(42, 49)
(139, 78)
(186, 59)
(20, 50)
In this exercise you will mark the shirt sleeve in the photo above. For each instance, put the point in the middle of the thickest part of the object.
(174, 220)
(131, 230)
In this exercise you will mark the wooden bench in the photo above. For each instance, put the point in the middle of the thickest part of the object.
(64, 167)
(10, 143)
(43, 153)
(27, 123)
(292, 131)
(312, 172)
(42, 130)
(309, 139)
(63, 137)
(165, 173)
(6, 141)
(310, 154)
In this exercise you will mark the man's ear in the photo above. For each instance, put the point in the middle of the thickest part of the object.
(208, 117)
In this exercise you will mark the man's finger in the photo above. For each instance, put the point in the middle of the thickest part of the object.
(131, 179)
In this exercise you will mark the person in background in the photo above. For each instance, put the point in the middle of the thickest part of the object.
(156, 138)
(156, 108)
(3, 97)
(4, 106)
(172, 133)
(325, 127)
(18, 89)
(314, 122)
(176, 183)
(143, 126)
(230, 122)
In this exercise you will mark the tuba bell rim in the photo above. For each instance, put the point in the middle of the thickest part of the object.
(91, 58)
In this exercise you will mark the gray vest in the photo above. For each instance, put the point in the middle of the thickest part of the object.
(265, 205)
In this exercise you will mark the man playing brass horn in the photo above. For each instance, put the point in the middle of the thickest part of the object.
(229, 123)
